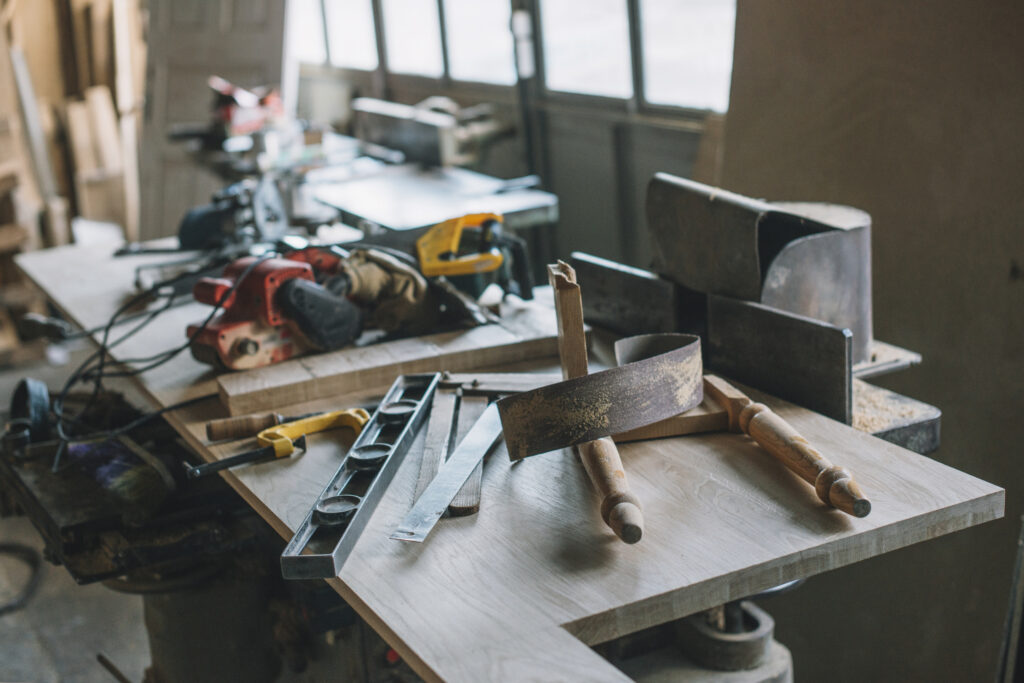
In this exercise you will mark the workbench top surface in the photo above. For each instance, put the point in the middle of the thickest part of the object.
(519, 590)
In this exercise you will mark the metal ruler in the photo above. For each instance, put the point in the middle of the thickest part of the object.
(435, 499)
(325, 538)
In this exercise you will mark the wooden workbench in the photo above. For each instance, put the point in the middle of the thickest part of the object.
(518, 591)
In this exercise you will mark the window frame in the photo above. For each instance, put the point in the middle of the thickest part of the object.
(382, 81)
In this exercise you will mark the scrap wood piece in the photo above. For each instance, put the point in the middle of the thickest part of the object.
(525, 332)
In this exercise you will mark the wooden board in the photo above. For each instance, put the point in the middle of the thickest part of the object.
(527, 331)
(519, 591)
(106, 135)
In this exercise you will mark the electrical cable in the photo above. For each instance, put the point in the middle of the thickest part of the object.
(94, 367)
(32, 558)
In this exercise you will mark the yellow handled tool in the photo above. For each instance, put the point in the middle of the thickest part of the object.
(280, 441)
(283, 437)
(438, 249)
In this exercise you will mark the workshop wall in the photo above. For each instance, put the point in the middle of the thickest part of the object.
(912, 112)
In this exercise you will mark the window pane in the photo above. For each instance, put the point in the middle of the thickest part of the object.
(350, 30)
(306, 32)
(479, 41)
(688, 52)
(413, 37)
(586, 46)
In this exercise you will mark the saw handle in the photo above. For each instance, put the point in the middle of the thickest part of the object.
(241, 426)
(834, 485)
(620, 509)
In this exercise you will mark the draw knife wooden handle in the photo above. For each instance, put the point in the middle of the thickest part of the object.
(834, 485)
(620, 509)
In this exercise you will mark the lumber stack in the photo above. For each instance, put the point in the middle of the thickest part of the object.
(72, 80)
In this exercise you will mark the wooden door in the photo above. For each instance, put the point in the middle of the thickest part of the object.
(240, 40)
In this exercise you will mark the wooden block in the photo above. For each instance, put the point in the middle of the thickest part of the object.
(305, 379)
(106, 135)
(83, 153)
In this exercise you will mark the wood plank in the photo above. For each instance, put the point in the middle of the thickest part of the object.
(106, 136)
(438, 438)
(527, 331)
(32, 122)
(83, 153)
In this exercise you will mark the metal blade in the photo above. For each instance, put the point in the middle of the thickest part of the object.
(452, 475)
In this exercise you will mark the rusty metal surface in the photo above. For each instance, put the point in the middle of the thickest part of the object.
(826, 276)
(793, 357)
(808, 258)
(664, 380)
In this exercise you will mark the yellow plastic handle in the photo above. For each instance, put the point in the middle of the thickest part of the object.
(282, 437)
(444, 239)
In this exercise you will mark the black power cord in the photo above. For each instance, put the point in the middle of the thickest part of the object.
(34, 560)
(94, 368)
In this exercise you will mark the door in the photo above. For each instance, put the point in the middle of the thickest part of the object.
(240, 40)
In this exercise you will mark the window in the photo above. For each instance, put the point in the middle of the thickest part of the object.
(480, 41)
(687, 52)
(350, 31)
(412, 34)
(586, 47)
(306, 32)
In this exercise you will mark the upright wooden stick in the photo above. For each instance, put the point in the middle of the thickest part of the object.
(620, 509)
(834, 485)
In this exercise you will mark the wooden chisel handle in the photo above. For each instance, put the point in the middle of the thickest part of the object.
(834, 485)
(620, 509)
(241, 426)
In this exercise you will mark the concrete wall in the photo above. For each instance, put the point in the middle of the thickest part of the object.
(913, 111)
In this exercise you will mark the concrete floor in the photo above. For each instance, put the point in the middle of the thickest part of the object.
(57, 636)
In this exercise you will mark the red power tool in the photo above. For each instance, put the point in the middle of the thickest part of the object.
(276, 311)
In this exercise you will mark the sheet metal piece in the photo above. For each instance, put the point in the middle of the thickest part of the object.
(826, 276)
(664, 380)
(808, 258)
(790, 356)
(624, 299)
(453, 474)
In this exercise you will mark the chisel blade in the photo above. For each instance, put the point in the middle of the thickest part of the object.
(435, 499)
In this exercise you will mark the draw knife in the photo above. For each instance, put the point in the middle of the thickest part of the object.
(439, 494)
